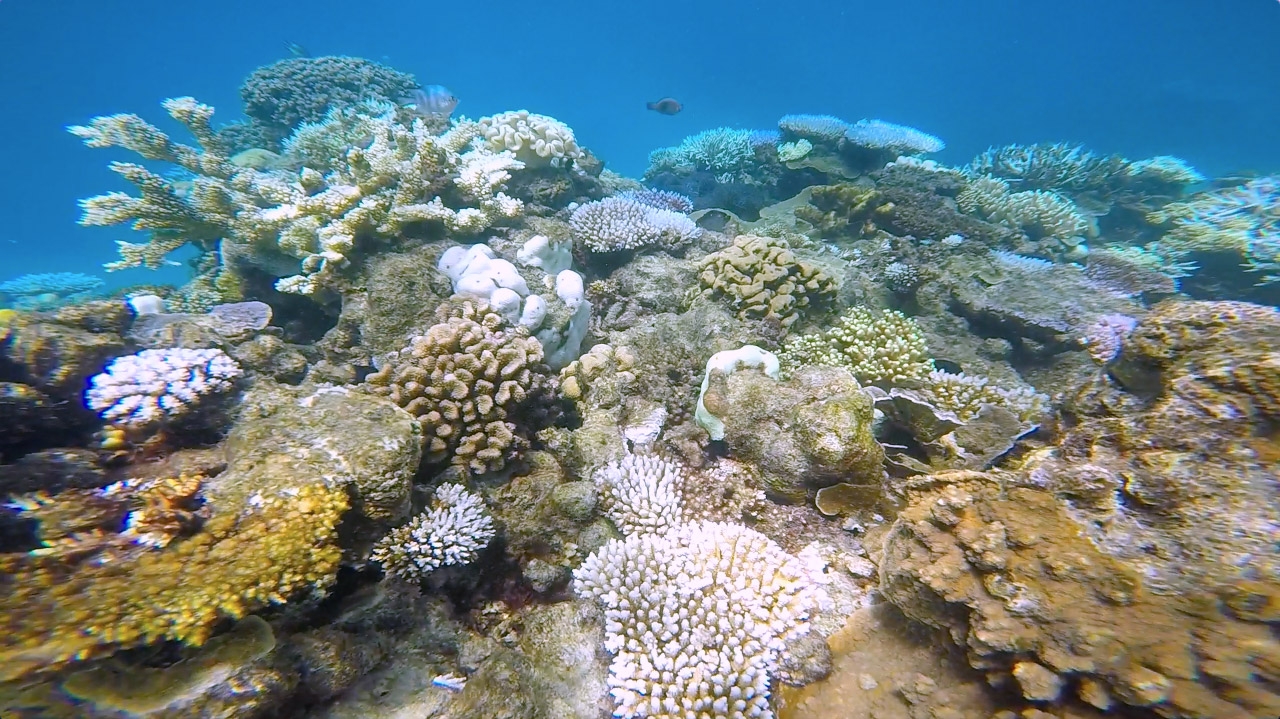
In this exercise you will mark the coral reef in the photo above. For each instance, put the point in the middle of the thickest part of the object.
(536, 140)
(49, 290)
(159, 385)
(762, 278)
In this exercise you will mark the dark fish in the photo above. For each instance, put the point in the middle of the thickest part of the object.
(666, 106)
(432, 101)
(296, 50)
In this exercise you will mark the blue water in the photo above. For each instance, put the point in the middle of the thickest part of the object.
(1138, 77)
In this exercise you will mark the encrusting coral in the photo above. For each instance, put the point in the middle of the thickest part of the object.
(764, 280)
(466, 380)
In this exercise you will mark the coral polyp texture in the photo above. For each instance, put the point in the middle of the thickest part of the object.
(453, 531)
(285, 94)
(619, 223)
(875, 347)
(156, 385)
(763, 279)
(467, 380)
(536, 140)
(696, 618)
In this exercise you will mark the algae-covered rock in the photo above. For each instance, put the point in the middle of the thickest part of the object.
(808, 432)
(1009, 574)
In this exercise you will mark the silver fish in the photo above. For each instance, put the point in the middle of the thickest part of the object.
(432, 100)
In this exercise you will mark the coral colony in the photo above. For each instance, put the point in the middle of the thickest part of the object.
(451, 420)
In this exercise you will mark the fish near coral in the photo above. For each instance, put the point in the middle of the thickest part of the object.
(432, 101)
(665, 106)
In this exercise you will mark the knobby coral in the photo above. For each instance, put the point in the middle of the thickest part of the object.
(764, 279)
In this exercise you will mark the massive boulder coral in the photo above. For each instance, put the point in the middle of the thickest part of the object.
(1039, 607)
(266, 531)
(763, 279)
(468, 380)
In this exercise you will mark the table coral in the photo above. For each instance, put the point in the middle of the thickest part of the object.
(467, 380)
(762, 278)
(881, 347)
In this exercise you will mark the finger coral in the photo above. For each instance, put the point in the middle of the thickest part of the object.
(453, 531)
(876, 347)
(764, 279)
(675, 609)
(467, 380)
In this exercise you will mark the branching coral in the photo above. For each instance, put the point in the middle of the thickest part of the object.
(1041, 214)
(966, 394)
(763, 279)
(877, 348)
(676, 606)
(403, 175)
(726, 153)
(49, 290)
(619, 223)
(466, 381)
(1058, 166)
(453, 531)
(154, 385)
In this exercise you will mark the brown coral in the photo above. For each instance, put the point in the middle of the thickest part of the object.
(466, 380)
(1037, 605)
(764, 279)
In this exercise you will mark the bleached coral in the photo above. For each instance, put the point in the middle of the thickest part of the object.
(536, 140)
(1166, 169)
(725, 152)
(823, 128)
(453, 531)
(1039, 213)
(642, 494)
(881, 135)
(697, 617)
(318, 220)
(154, 385)
(618, 223)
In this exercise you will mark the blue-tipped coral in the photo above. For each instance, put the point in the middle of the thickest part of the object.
(48, 290)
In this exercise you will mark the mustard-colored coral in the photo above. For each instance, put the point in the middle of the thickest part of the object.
(55, 609)
(884, 347)
(764, 279)
(465, 380)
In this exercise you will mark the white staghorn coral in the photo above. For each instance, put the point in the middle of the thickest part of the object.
(696, 618)
(453, 532)
(154, 385)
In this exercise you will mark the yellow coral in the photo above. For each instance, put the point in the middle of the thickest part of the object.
(244, 557)
(876, 348)
(764, 279)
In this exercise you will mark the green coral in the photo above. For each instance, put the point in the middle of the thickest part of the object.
(877, 348)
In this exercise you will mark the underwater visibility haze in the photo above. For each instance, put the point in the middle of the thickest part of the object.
(706, 360)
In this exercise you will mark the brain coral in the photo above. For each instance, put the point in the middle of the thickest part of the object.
(536, 140)
(466, 380)
(763, 279)
(289, 92)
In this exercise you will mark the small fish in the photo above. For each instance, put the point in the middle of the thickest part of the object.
(296, 50)
(666, 106)
(432, 100)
